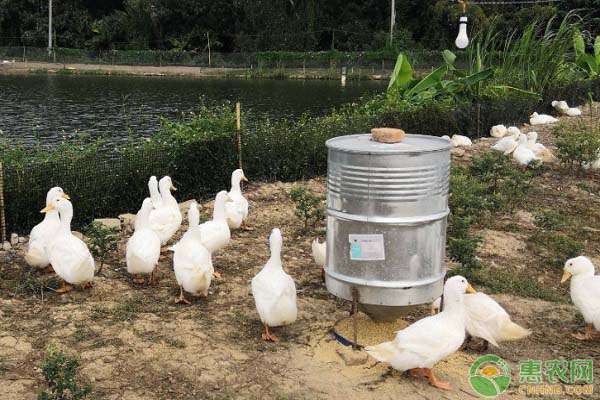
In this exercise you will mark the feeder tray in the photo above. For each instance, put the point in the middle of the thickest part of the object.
(368, 331)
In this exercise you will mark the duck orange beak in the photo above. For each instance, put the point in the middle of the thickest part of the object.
(48, 208)
(566, 276)
(66, 196)
(470, 289)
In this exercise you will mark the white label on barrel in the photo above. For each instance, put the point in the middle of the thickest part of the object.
(366, 247)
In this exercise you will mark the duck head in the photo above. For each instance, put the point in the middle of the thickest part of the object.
(578, 266)
(193, 215)
(64, 208)
(143, 215)
(532, 137)
(238, 176)
(275, 242)
(454, 289)
(55, 192)
(166, 184)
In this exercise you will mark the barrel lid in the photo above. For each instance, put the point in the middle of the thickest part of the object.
(363, 143)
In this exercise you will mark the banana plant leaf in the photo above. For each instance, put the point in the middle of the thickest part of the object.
(433, 79)
(588, 62)
(402, 75)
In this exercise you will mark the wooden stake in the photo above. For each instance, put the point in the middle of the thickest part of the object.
(2, 214)
(238, 124)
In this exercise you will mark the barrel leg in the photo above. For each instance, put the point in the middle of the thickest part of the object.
(354, 313)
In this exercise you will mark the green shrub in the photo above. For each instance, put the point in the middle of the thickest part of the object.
(310, 208)
(577, 146)
(550, 220)
(101, 241)
(60, 374)
(491, 184)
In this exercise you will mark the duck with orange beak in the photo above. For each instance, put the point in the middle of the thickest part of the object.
(585, 293)
(420, 346)
(43, 233)
(237, 209)
(69, 255)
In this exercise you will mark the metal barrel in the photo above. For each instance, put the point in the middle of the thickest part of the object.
(387, 206)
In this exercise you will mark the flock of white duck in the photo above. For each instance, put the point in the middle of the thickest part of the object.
(421, 345)
(52, 245)
(524, 148)
(416, 348)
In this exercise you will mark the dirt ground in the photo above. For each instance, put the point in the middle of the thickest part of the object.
(136, 343)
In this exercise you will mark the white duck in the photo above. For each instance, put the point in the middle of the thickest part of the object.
(585, 290)
(215, 233)
(522, 154)
(43, 233)
(486, 319)
(461, 141)
(507, 144)
(513, 131)
(192, 262)
(498, 131)
(541, 152)
(560, 106)
(319, 253)
(420, 346)
(143, 248)
(237, 209)
(154, 192)
(573, 112)
(274, 291)
(69, 255)
(165, 219)
(541, 119)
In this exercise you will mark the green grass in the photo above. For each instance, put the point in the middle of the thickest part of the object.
(550, 220)
(501, 281)
(60, 371)
(555, 248)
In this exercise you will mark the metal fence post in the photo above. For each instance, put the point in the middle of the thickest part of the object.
(2, 213)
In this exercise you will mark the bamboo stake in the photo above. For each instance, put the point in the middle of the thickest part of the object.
(2, 214)
(238, 124)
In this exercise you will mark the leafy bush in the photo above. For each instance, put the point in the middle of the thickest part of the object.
(590, 63)
(60, 373)
(404, 87)
(490, 185)
(578, 146)
(101, 241)
(310, 208)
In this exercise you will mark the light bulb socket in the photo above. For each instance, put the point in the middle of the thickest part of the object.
(463, 19)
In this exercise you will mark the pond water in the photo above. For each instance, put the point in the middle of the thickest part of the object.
(50, 107)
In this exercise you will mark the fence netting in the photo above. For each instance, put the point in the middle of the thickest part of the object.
(107, 183)
(372, 61)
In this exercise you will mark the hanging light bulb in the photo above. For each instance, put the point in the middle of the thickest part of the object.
(462, 40)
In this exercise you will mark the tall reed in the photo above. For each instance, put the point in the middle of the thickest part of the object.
(534, 58)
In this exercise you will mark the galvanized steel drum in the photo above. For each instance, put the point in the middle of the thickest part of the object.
(386, 220)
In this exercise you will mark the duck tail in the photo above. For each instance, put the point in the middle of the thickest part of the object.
(383, 352)
(511, 331)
